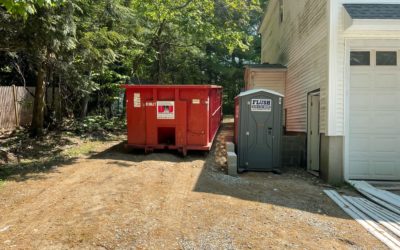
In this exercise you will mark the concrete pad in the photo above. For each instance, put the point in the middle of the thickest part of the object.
(230, 147)
(232, 163)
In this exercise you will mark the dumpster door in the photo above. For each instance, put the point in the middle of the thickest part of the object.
(260, 126)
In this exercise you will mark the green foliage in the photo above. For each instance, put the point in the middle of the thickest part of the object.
(24, 8)
(88, 48)
(98, 123)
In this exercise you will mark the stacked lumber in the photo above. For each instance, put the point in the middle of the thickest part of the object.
(384, 198)
(386, 185)
(378, 213)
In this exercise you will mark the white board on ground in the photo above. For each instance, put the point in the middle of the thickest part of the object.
(371, 226)
(378, 217)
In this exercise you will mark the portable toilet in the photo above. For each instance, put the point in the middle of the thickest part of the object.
(258, 130)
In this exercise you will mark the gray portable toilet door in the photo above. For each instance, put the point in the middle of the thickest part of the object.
(260, 125)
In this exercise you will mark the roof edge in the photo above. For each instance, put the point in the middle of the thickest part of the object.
(373, 11)
(265, 66)
(253, 91)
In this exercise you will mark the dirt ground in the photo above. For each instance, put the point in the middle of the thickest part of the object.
(115, 199)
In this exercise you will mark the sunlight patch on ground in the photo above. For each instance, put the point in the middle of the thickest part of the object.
(83, 149)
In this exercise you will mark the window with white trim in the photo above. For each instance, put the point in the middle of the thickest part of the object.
(386, 58)
(360, 58)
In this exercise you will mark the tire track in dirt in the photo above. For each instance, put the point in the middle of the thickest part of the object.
(173, 208)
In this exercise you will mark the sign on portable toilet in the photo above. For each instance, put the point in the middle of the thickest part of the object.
(258, 130)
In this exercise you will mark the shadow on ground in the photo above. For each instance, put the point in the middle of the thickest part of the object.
(33, 170)
(295, 188)
(120, 153)
(23, 158)
(27, 158)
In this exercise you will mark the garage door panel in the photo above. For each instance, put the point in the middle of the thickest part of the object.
(374, 123)
(359, 157)
(360, 143)
(386, 81)
(358, 101)
(360, 80)
(385, 101)
(384, 144)
(387, 122)
(363, 169)
(384, 169)
(359, 169)
(362, 121)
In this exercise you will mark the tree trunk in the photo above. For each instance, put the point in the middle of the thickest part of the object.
(86, 101)
(53, 99)
(153, 44)
(60, 101)
(85, 106)
(39, 103)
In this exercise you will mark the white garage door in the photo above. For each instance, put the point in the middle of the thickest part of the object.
(374, 118)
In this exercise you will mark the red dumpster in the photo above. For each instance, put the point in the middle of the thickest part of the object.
(180, 117)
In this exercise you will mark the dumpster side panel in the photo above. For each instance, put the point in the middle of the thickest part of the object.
(215, 112)
(181, 122)
(151, 128)
(197, 116)
(136, 117)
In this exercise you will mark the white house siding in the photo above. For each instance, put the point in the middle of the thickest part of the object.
(300, 43)
(339, 59)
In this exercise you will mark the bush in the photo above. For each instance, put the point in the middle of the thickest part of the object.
(98, 123)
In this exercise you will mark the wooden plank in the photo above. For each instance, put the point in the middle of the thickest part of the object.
(390, 215)
(16, 106)
(388, 194)
(372, 213)
(7, 118)
(380, 202)
(25, 106)
(384, 182)
(371, 226)
(383, 195)
(390, 188)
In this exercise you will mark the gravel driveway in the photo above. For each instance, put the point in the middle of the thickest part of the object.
(114, 199)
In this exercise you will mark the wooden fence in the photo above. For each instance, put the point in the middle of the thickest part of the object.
(16, 105)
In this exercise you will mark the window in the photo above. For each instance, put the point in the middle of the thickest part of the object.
(386, 58)
(360, 58)
(280, 11)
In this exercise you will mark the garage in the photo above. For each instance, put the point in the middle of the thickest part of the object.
(374, 115)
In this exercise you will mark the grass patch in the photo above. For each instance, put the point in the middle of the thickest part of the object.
(83, 149)
(29, 157)
(2, 183)
(44, 163)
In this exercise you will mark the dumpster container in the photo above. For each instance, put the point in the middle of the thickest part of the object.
(258, 130)
(179, 117)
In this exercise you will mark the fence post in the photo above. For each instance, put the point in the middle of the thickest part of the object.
(16, 106)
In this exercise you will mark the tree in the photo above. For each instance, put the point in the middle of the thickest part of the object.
(48, 28)
(187, 28)
(88, 47)
(29, 7)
